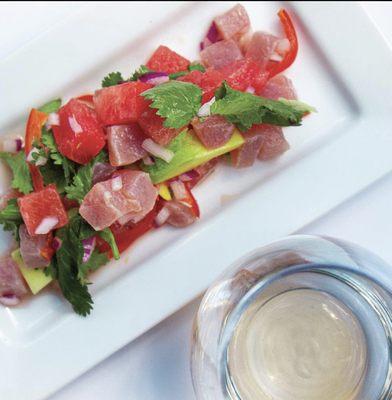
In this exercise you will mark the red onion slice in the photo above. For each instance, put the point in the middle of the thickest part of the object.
(189, 176)
(162, 216)
(56, 243)
(148, 160)
(53, 120)
(13, 145)
(46, 225)
(179, 190)
(211, 37)
(157, 150)
(88, 246)
(205, 109)
(155, 78)
(74, 125)
(9, 300)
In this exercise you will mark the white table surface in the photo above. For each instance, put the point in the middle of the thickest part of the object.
(156, 365)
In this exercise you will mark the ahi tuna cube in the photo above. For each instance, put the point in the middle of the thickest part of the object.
(246, 155)
(233, 23)
(166, 60)
(12, 285)
(279, 86)
(121, 104)
(33, 249)
(125, 144)
(221, 54)
(213, 131)
(261, 47)
(274, 143)
(130, 193)
(42, 211)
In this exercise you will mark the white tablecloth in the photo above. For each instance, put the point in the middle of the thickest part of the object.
(156, 366)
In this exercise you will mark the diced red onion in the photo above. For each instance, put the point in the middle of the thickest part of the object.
(250, 89)
(46, 225)
(13, 145)
(102, 172)
(189, 176)
(205, 109)
(117, 183)
(283, 46)
(88, 246)
(155, 78)
(53, 120)
(179, 190)
(276, 57)
(148, 160)
(9, 300)
(74, 125)
(162, 216)
(212, 34)
(157, 150)
(56, 243)
(201, 46)
(40, 160)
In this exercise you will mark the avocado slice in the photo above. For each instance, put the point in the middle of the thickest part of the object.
(35, 278)
(189, 153)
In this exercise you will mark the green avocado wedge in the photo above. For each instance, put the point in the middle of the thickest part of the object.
(35, 278)
(189, 153)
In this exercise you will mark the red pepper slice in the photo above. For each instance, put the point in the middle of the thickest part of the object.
(33, 133)
(125, 235)
(276, 68)
(191, 201)
(48, 251)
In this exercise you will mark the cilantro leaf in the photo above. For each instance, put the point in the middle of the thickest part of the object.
(10, 218)
(176, 75)
(196, 67)
(245, 109)
(95, 261)
(298, 105)
(82, 181)
(51, 106)
(178, 102)
(21, 175)
(112, 79)
(108, 237)
(142, 70)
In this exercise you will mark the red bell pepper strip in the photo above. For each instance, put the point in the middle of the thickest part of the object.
(33, 133)
(276, 68)
(191, 201)
(48, 251)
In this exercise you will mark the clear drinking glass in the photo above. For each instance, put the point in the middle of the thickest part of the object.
(360, 280)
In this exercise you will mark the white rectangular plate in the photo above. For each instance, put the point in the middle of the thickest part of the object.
(343, 69)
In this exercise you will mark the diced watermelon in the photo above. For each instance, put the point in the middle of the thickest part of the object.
(121, 104)
(214, 131)
(166, 60)
(278, 86)
(125, 144)
(221, 54)
(152, 126)
(79, 136)
(244, 73)
(208, 81)
(233, 23)
(37, 206)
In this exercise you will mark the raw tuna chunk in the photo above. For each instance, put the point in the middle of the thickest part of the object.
(213, 131)
(120, 104)
(152, 126)
(261, 47)
(79, 136)
(125, 144)
(279, 86)
(33, 248)
(102, 172)
(243, 74)
(40, 211)
(166, 60)
(221, 54)
(233, 23)
(208, 81)
(12, 285)
(246, 155)
(129, 193)
(274, 142)
(180, 214)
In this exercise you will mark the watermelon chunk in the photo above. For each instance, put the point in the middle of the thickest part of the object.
(221, 54)
(79, 136)
(166, 60)
(242, 74)
(37, 206)
(208, 81)
(233, 23)
(152, 126)
(121, 104)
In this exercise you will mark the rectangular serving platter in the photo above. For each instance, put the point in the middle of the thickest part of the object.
(344, 73)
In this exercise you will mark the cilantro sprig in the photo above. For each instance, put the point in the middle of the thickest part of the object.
(21, 179)
(11, 219)
(112, 79)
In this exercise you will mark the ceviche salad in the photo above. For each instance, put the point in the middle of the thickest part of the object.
(93, 175)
